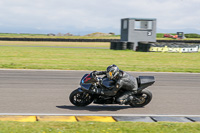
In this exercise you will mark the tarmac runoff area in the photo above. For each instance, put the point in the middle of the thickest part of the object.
(38, 95)
(60, 118)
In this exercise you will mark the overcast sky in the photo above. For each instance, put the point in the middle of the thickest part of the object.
(85, 16)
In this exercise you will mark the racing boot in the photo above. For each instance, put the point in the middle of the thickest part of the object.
(125, 98)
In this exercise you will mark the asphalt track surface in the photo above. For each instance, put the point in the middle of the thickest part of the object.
(47, 92)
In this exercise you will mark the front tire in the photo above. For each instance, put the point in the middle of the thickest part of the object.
(144, 97)
(80, 98)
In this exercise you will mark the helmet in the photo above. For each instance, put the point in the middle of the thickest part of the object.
(112, 71)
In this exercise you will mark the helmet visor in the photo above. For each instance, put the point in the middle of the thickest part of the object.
(110, 74)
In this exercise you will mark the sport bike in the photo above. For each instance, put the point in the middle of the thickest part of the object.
(83, 96)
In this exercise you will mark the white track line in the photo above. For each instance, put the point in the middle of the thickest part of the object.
(25, 114)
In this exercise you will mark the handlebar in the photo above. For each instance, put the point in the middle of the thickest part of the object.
(95, 76)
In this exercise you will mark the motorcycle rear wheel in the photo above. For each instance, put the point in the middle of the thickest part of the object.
(80, 99)
(145, 97)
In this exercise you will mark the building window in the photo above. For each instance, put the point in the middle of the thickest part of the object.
(143, 25)
(125, 24)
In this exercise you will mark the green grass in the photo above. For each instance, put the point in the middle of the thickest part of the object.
(63, 44)
(98, 127)
(96, 59)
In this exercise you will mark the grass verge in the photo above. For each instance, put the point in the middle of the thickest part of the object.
(63, 44)
(96, 59)
(98, 127)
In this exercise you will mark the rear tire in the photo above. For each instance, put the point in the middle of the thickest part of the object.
(80, 99)
(145, 97)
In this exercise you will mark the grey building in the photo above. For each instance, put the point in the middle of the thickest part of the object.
(138, 30)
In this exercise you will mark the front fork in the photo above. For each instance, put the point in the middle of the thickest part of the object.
(85, 94)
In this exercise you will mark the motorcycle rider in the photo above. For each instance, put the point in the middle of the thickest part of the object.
(122, 80)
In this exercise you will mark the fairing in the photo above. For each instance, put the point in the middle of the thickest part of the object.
(108, 83)
(145, 81)
(87, 81)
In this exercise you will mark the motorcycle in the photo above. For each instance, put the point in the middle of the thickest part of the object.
(83, 96)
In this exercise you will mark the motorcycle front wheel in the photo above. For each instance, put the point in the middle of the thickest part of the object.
(80, 99)
(143, 99)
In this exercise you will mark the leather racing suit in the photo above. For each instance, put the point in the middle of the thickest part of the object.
(122, 80)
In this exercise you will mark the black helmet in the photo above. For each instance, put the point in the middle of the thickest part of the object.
(112, 71)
